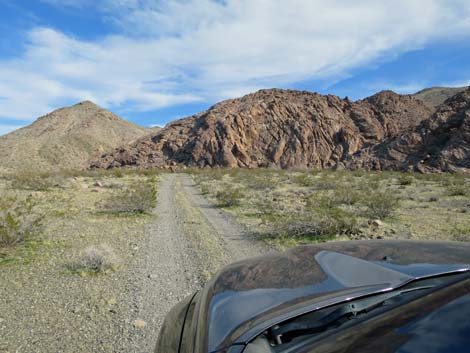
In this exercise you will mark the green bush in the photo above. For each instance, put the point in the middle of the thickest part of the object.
(18, 221)
(457, 190)
(318, 225)
(229, 197)
(346, 195)
(405, 179)
(381, 204)
(139, 198)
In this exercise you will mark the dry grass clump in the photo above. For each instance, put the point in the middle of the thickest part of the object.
(138, 198)
(95, 259)
(18, 222)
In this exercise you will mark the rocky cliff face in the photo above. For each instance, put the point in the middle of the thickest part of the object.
(275, 128)
(439, 143)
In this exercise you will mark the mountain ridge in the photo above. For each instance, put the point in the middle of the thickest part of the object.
(274, 127)
(67, 138)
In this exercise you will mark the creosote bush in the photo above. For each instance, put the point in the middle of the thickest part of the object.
(96, 259)
(381, 204)
(18, 222)
(405, 179)
(229, 197)
(457, 190)
(318, 225)
(139, 198)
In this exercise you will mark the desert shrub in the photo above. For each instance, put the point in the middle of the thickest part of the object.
(36, 182)
(95, 259)
(340, 196)
(304, 179)
(346, 195)
(460, 233)
(229, 197)
(117, 173)
(139, 198)
(381, 204)
(405, 179)
(457, 189)
(320, 202)
(260, 183)
(318, 225)
(18, 221)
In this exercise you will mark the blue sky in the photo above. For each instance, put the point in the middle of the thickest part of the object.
(152, 61)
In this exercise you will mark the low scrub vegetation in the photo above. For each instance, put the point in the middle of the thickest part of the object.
(139, 198)
(381, 204)
(36, 182)
(95, 260)
(301, 206)
(229, 197)
(18, 222)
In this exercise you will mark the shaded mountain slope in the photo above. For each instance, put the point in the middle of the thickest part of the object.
(274, 127)
(65, 139)
(440, 143)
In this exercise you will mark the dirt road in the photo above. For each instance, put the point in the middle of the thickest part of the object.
(45, 308)
(188, 243)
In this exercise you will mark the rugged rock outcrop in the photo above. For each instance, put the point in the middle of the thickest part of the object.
(440, 143)
(275, 127)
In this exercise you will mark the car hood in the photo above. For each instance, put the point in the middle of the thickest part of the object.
(246, 297)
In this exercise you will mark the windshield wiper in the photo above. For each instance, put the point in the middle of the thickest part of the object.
(284, 333)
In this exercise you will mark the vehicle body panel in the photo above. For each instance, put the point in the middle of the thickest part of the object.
(249, 296)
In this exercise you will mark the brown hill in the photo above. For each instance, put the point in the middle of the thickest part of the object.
(67, 138)
(440, 143)
(435, 96)
(275, 128)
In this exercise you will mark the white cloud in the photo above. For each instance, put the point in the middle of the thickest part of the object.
(171, 52)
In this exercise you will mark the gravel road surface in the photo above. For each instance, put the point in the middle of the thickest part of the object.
(45, 309)
(190, 241)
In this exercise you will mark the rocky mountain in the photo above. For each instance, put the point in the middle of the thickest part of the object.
(435, 96)
(67, 138)
(275, 127)
(439, 143)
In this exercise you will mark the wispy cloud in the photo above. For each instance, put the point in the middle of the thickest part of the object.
(171, 52)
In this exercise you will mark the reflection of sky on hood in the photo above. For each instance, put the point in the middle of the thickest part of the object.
(445, 330)
(420, 270)
(229, 309)
(242, 306)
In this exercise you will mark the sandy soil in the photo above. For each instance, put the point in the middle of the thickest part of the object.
(45, 310)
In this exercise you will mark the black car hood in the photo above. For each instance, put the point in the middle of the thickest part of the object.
(251, 295)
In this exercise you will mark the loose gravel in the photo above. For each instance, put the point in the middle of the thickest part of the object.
(45, 309)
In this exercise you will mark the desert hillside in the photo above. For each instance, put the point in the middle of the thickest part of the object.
(435, 96)
(65, 139)
(275, 127)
